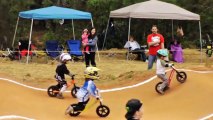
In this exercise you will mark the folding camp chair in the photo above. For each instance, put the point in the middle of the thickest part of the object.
(53, 49)
(74, 49)
(135, 54)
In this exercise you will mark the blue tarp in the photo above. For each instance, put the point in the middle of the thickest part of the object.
(55, 12)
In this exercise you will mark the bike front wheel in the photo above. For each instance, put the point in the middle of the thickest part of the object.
(181, 77)
(102, 111)
(74, 90)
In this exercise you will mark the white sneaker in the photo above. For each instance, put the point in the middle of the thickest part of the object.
(161, 90)
(60, 96)
(69, 110)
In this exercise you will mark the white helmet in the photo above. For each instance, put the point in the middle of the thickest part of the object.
(65, 56)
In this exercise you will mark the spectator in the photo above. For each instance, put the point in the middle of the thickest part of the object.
(84, 38)
(155, 42)
(92, 43)
(176, 51)
(134, 47)
(134, 110)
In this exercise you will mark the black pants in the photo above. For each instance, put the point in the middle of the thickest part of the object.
(141, 54)
(61, 83)
(80, 106)
(90, 59)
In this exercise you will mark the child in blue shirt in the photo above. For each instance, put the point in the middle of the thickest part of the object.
(88, 89)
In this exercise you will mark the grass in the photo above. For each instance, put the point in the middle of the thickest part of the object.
(115, 70)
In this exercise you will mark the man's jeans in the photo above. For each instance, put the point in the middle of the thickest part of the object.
(151, 60)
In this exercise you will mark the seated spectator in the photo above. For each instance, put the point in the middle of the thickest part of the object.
(23, 48)
(133, 46)
(176, 51)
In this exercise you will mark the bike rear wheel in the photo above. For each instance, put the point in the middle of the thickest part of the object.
(52, 91)
(157, 87)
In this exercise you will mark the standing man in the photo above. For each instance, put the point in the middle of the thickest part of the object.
(155, 42)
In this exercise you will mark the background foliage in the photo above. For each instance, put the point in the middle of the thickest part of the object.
(100, 9)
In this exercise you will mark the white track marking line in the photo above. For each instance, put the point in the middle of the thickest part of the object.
(14, 117)
(149, 80)
(207, 117)
(107, 90)
(13, 81)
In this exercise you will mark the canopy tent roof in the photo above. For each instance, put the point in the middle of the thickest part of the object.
(52, 12)
(55, 12)
(154, 9)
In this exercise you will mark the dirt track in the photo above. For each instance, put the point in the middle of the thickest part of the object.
(189, 101)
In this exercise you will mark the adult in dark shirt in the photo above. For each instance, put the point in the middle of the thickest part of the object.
(92, 43)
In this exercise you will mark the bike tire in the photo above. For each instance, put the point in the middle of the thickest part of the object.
(157, 87)
(51, 89)
(74, 90)
(181, 77)
(102, 111)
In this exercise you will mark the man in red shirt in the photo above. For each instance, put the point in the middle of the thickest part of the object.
(155, 42)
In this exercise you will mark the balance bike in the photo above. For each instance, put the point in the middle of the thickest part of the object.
(102, 110)
(180, 76)
(53, 90)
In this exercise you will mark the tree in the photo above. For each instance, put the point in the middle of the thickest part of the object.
(100, 10)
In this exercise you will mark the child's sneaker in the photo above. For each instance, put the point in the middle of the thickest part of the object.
(161, 91)
(60, 96)
(166, 88)
(69, 110)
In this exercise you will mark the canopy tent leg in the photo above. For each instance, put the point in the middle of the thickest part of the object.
(92, 22)
(201, 49)
(14, 37)
(172, 30)
(73, 30)
(129, 28)
(29, 41)
(105, 34)
(98, 52)
(129, 34)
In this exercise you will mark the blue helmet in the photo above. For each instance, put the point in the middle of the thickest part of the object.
(162, 52)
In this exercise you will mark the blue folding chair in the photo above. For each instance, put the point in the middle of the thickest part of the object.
(74, 49)
(53, 49)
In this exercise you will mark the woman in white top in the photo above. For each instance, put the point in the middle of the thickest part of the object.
(133, 46)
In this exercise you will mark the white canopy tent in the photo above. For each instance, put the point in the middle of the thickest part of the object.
(154, 9)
